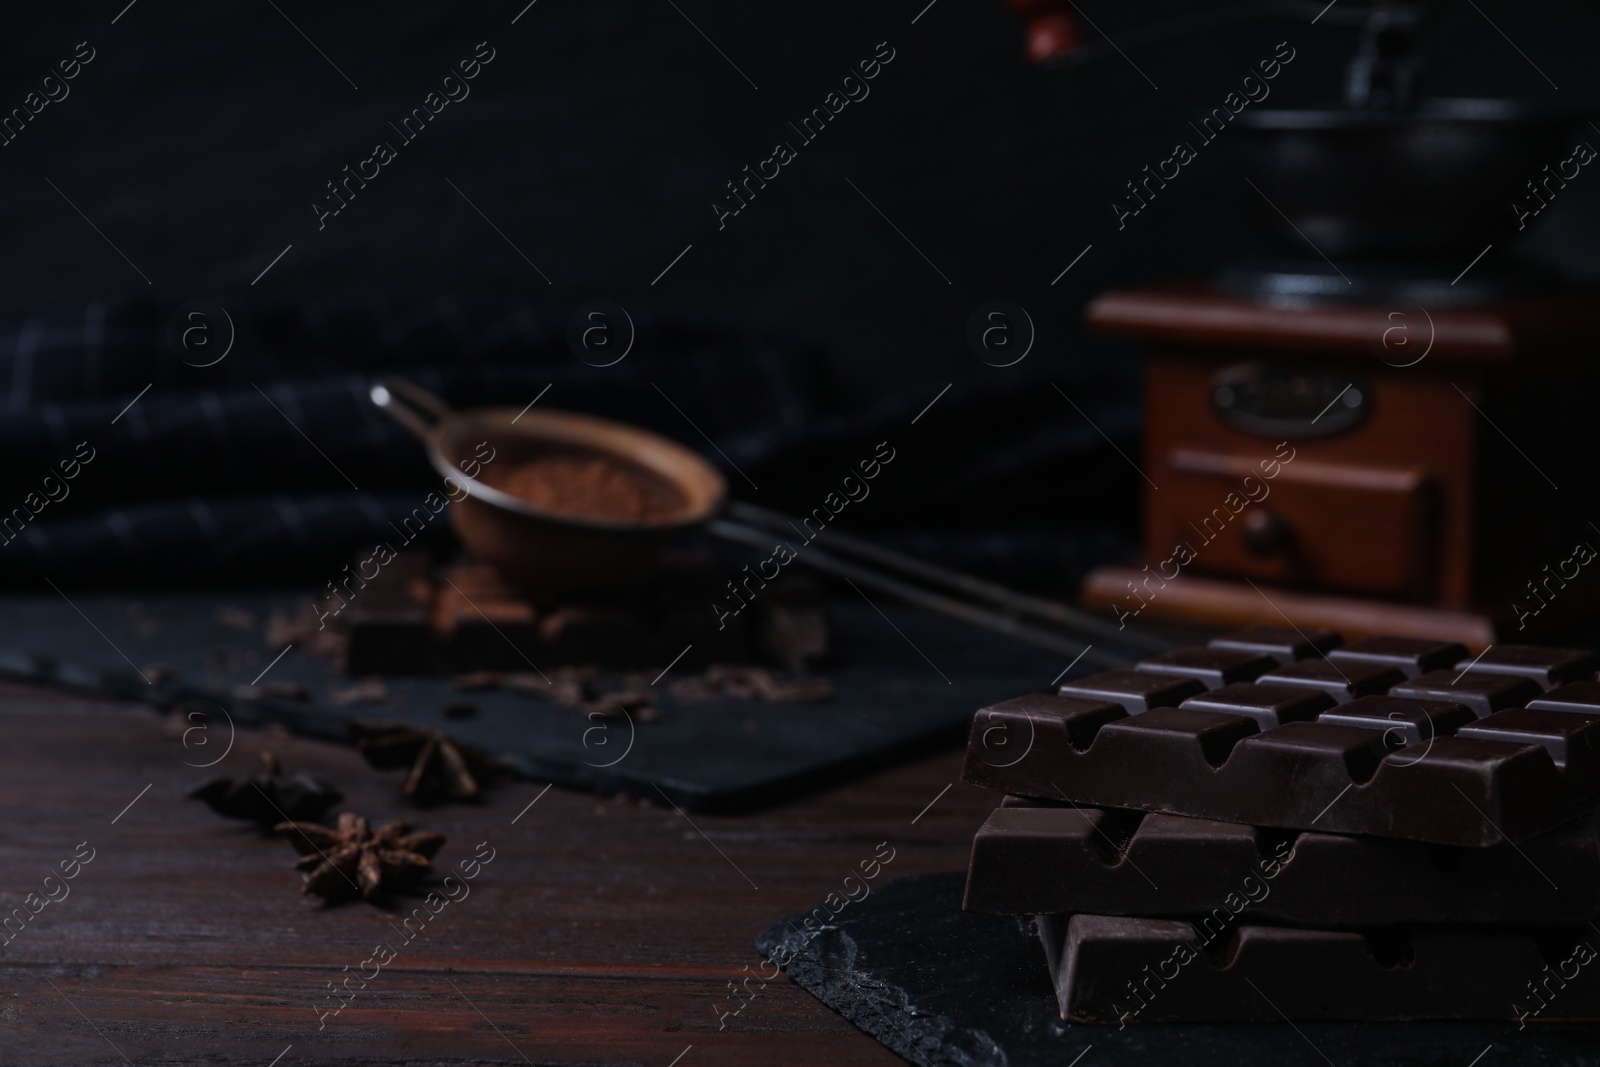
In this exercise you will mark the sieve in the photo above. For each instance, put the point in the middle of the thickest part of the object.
(550, 553)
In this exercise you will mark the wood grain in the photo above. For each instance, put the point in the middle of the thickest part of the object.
(603, 932)
(1227, 604)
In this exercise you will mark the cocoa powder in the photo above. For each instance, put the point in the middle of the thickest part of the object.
(591, 487)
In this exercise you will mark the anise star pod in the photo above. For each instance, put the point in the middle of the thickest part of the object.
(439, 767)
(269, 797)
(352, 859)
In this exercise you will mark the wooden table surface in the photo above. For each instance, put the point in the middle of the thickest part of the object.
(603, 932)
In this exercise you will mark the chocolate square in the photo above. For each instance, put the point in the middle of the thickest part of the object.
(1409, 655)
(1342, 681)
(1549, 667)
(1136, 691)
(1268, 705)
(1283, 643)
(1485, 694)
(1403, 722)
(1574, 696)
(1212, 667)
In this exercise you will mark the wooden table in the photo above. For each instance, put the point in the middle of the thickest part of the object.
(604, 932)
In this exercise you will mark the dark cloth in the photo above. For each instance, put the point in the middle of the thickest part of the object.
(274, 463)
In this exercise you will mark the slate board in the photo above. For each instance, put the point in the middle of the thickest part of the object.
(946, 988)
(892, 700)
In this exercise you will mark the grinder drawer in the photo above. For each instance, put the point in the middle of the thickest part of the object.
(1340, 526)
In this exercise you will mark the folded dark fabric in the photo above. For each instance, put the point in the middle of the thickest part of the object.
(104, 349)
(324, 435)
(258, 539)
(116, 348)
(124, 460)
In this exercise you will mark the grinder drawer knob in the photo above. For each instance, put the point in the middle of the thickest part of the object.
(1265, 534)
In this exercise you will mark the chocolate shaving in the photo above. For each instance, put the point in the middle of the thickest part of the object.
(235, 618)
(475, 680)
(370, 691)
(272, 691)
(583, 688)
(160, 673)
(721, 681)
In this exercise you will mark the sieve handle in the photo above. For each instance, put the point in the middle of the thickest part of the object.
(409, 404)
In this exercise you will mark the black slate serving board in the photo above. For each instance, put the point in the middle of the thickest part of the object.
(905, 682)
(946, 988)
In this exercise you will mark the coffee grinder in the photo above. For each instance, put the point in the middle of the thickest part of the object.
(1400, 375)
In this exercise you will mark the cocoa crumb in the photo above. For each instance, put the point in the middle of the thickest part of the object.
(459, 709)
(235, 618)
(475, 680)
(750, 683)
(272, 691)
(161, 673)
(371, 691)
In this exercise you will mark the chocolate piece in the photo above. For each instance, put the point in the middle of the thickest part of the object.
(1485, 694)
(1110, 969)
(1407, 655)
(411, 618)
(1033, 859)
(388, 621)
(1282, 643)
(1268, 705)
(1572, 739)
(1305, 775)
(1136, 691)
(1403, 722)
(1574, 696)
(1342, 681)
(1211, 667)
(1547, 666)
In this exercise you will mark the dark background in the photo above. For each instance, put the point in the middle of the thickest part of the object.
(199, 137)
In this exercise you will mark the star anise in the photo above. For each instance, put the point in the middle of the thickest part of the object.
(352, 858)
(269, 797)
(440, 768)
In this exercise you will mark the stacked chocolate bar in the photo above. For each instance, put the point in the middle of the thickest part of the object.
(1280, 825)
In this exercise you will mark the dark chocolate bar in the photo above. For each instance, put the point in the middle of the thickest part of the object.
(1371, 738)
(1034, 858)
(1123, 970)
(1505, 777)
